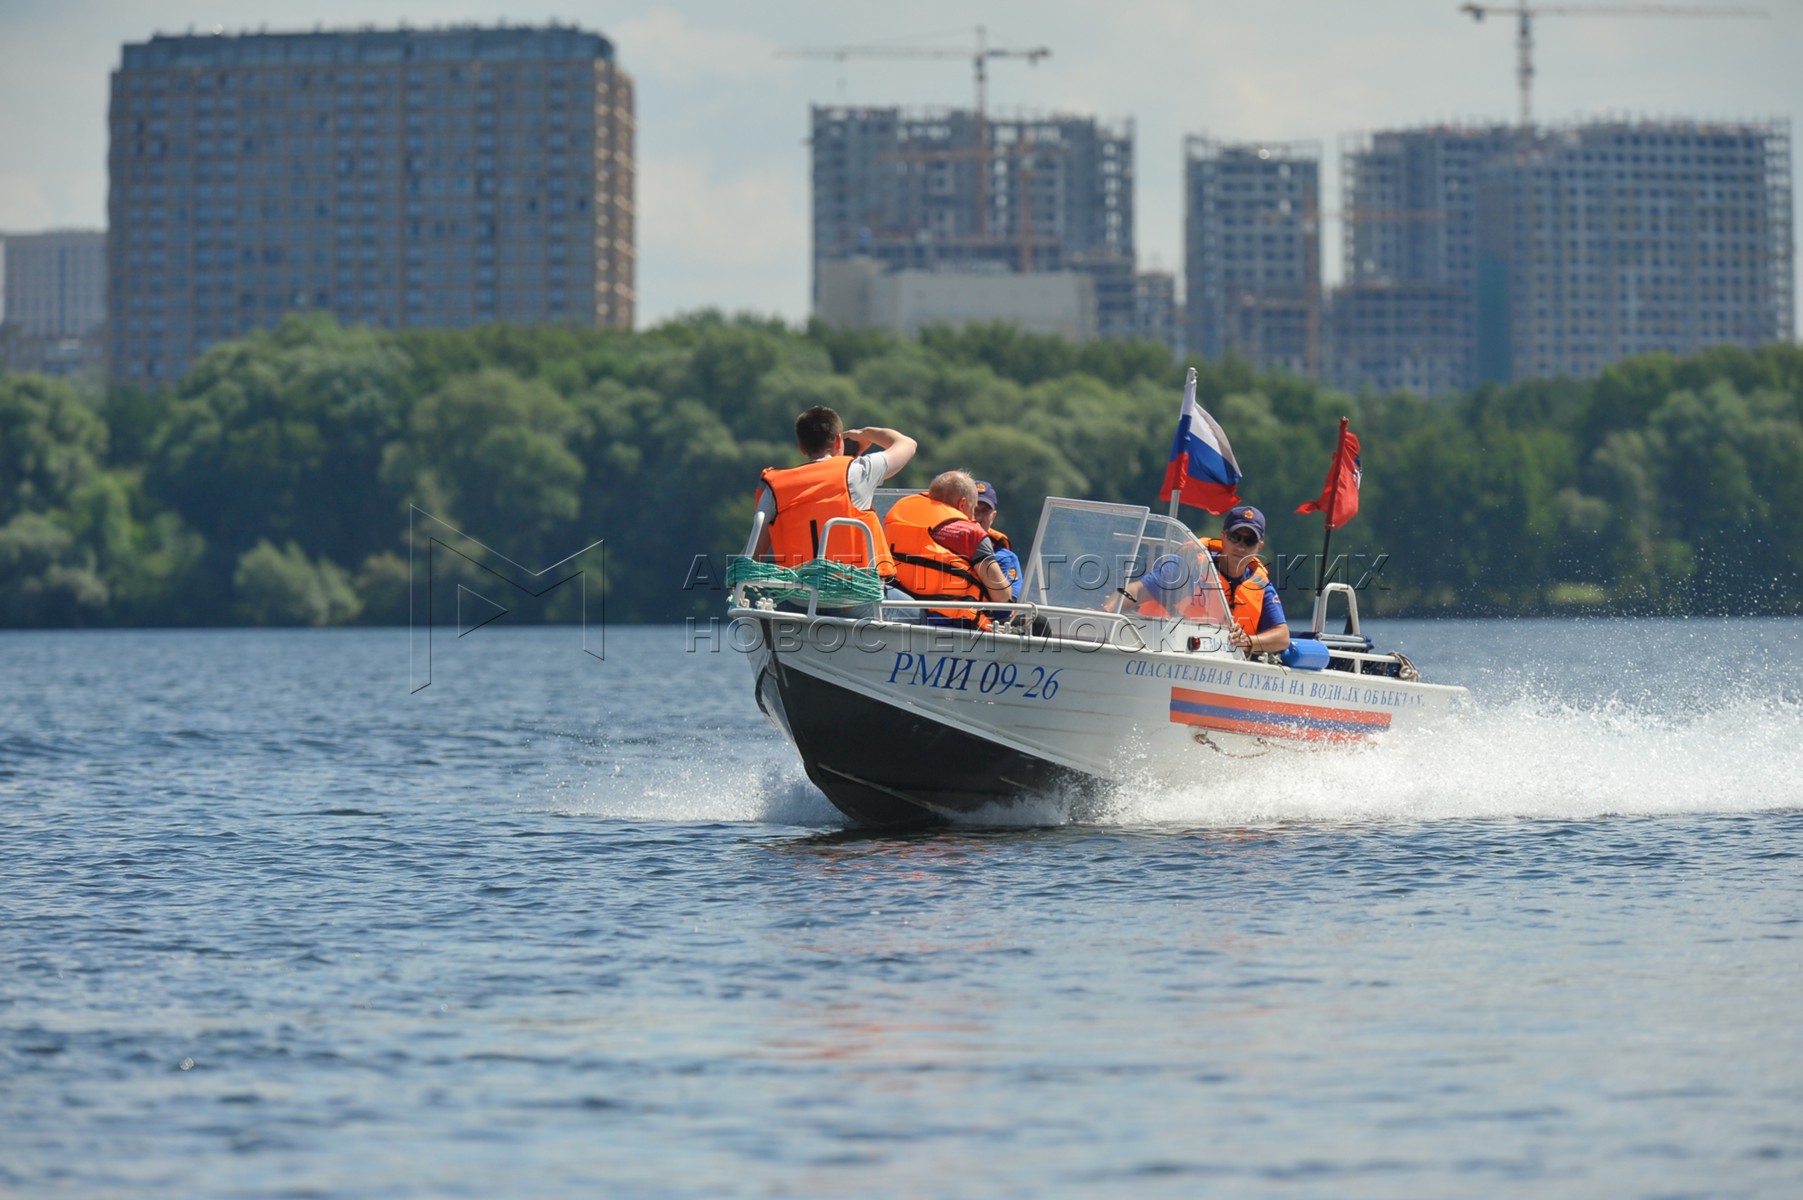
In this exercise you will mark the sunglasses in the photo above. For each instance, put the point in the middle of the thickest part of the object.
(1241, 537)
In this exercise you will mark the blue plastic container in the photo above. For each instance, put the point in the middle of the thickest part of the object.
(1304, 654)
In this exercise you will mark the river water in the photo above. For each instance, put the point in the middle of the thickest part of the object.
(273, 924)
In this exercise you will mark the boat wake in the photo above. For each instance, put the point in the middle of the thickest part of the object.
(691, 788)
(1535, 755)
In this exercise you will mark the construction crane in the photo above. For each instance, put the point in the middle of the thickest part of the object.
(979, 58)
(1524, 15)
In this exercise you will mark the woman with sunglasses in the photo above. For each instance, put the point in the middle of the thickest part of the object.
(1259, 626)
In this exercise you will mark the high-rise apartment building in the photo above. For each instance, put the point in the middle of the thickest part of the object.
(410, 177)
(54, 284)
(1611, 239)
(924, 189)
(1252, 256)
(943, 191)
(1405, 315)
(1482, 253)
(1411, 202)
(1156, 314)
(1399, 337)
(52, 300)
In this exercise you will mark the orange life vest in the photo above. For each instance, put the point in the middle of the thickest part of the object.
(1245, 599)
(923, 568)
(809, 496)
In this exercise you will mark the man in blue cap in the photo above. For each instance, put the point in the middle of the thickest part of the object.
(987, 505)
(1259, 626)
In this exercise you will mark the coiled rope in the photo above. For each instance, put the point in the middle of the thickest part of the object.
(839, 585)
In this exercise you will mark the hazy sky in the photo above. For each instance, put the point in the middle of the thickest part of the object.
(723, 167)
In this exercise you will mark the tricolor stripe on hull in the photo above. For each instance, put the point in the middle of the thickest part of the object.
(1273, 718)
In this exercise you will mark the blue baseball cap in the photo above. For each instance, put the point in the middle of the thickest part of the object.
(1244, 516)
(986, 494)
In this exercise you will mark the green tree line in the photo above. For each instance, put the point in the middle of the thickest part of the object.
(272, 484)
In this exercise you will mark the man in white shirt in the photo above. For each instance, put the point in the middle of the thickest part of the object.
(798, 502)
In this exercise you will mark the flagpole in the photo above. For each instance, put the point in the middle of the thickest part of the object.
(1177, 493)
(1333, 500)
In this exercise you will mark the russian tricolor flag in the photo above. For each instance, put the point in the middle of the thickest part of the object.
(1202, 470)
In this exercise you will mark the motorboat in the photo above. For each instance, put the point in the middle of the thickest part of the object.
(902, 723)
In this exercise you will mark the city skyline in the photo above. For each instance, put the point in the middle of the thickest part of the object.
(723, 165)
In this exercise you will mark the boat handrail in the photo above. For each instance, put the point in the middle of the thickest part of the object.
(1352, 607)
(1028, 607)
(757, 528)
(826, 536)
(1370, 656)
(757, 531)
(1032, 609)
(758, 521)
(1035, 610)
(850, 523)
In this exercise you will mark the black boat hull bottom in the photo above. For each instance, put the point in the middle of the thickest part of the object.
(885, 766)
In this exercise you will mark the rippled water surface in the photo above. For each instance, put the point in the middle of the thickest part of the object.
(270, 925)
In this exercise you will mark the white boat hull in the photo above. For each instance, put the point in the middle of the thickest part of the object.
(901, 723)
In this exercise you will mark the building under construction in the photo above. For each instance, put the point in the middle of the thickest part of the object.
(952, 192)
(1481, 253)
(1251, 251)
(1406, 315)
(1610, 239)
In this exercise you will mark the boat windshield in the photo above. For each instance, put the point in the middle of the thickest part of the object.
(1178, 575)
(1085, 552)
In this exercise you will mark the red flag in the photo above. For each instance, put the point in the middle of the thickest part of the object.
(1340, 494)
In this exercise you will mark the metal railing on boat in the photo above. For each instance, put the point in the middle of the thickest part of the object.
(1030, 610)
(1034, 612)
